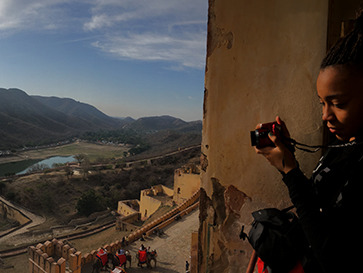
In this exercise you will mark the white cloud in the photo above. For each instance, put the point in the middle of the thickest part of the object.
(151, 30)
(159, 30)
(30, 15)
(187, 51)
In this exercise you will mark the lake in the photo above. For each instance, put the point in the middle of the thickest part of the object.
(22, 167)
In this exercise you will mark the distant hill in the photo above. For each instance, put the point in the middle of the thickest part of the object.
(81, 110)
(127, 119)
(24, 120)
(27, 121)
(35, 120)
(165, 134)
(159, 123)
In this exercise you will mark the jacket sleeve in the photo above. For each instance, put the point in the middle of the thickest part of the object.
(325, 232)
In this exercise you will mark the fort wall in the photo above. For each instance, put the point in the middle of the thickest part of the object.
(186, 182)
(9, 212)
(124, 207)
(152, 199)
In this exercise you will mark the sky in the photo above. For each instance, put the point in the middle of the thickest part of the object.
(133, 58)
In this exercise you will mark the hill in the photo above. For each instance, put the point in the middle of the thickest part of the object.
(158, 123)
(152, 124)
(36, 120)
(81, 110)
(24, 121)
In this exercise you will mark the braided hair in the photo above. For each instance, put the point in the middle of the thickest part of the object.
(348, 50)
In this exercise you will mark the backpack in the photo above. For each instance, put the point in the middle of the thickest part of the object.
(278, 238)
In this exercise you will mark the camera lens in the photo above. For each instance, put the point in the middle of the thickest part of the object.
(254, 137)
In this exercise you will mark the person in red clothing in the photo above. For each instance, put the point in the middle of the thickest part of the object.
(142, 257)
(102, 256)
(121, 257)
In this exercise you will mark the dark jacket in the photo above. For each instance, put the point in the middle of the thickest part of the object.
(328, 206)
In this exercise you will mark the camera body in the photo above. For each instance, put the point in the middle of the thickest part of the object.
(259, 137)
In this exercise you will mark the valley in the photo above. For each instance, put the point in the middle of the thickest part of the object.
(114, 156)
(93, 151)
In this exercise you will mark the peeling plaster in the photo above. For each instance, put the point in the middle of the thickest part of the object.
(204, 162)
(205, 99)
(234, 200)
(217, 37)
(218, 202)
(224, 209)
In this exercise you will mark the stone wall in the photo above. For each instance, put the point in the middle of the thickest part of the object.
(9, 212)
(124, 223)
(152, 199)
(125, 209)
(52, 257)
(185, 184)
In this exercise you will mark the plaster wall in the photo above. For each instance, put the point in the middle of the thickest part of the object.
(185, 184)
(124, 210)
(169, 192)
(262, 61)
(9, 212)
(148, 205)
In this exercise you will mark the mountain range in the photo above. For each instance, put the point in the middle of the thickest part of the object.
(34, 120)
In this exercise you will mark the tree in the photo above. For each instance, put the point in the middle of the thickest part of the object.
(89, 203)
(38, 167)
(2, 186)
(11, 196)
(69, 172)
(80, 158)
(86, 167)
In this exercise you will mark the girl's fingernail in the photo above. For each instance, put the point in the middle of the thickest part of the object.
(270, 134)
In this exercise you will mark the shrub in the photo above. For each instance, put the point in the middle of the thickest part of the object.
(11, 196)
(89, 203)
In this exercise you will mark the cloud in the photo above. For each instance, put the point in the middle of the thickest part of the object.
(172, 31)
(186, 50)
(37, 15)
(160, 30)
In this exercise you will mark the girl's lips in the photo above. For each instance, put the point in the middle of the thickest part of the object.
(333, 130)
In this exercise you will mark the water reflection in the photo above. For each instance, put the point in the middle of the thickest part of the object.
(22, 167)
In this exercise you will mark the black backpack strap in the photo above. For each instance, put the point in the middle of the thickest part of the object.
(243, 235)
(287, 209)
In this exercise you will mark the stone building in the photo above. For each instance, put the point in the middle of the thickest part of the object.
(186, 182)
(128, 207)
(152, 199)
(263, 59)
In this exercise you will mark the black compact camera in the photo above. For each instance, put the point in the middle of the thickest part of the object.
(259, 137)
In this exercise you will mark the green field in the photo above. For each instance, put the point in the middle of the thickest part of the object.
(92, 151)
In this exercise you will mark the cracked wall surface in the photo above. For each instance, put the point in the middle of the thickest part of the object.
(262, 60)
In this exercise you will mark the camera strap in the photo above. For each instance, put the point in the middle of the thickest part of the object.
(315, 148)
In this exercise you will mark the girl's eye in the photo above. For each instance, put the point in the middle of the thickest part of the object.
(338, 105)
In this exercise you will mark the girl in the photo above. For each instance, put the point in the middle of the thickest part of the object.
(328, 203)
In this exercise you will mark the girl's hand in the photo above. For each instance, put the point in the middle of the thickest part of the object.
(279, 156)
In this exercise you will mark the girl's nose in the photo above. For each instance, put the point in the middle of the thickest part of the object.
(328, 114)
